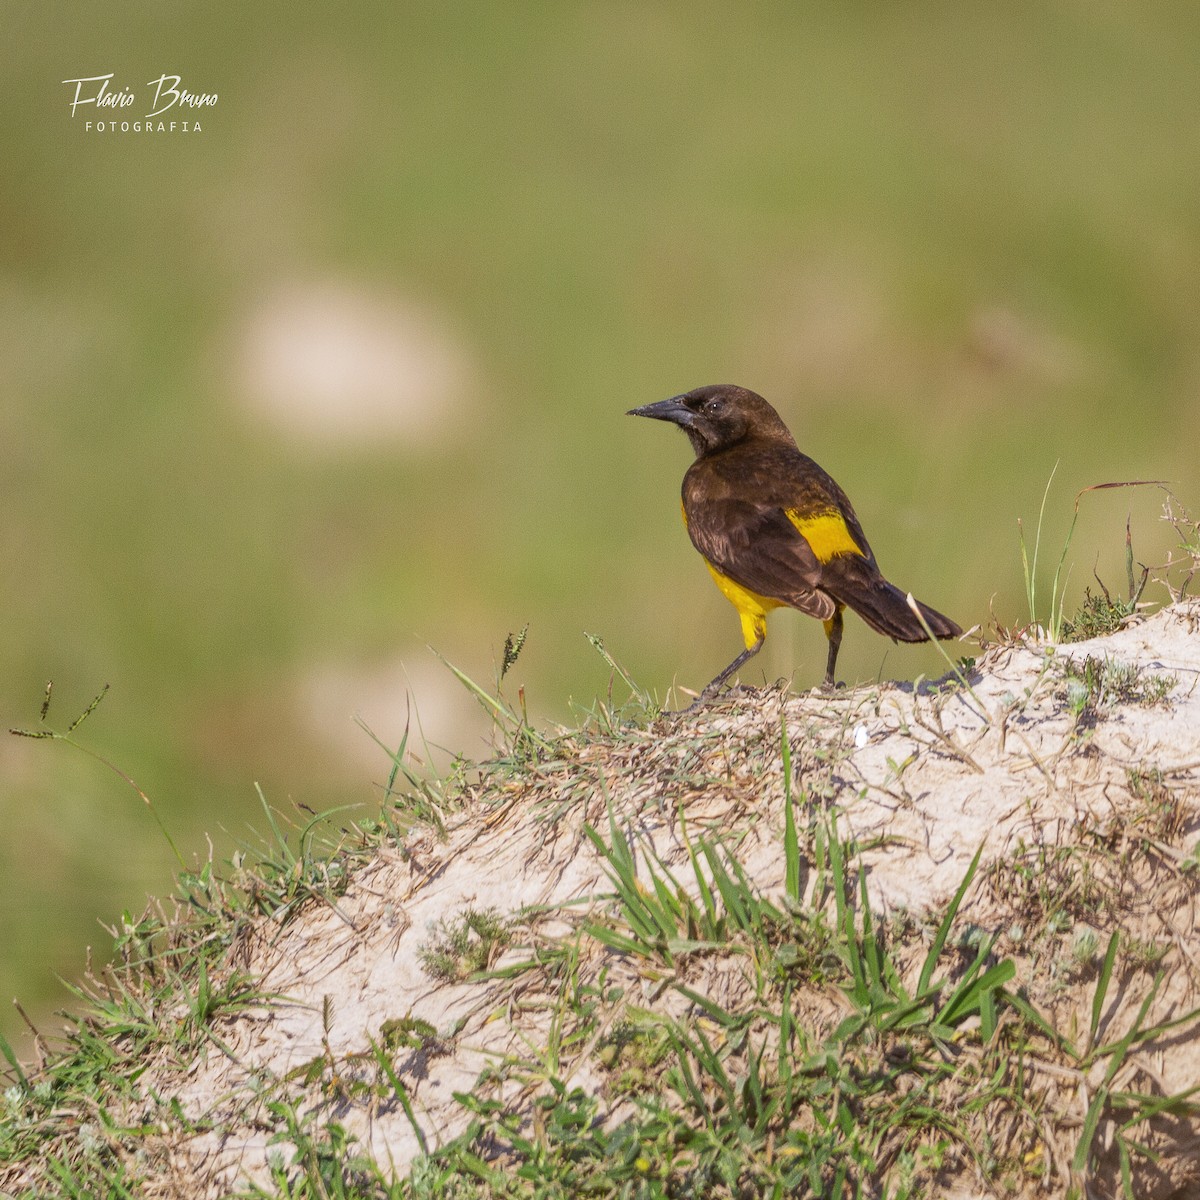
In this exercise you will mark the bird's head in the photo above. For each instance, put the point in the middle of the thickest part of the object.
(718, 416)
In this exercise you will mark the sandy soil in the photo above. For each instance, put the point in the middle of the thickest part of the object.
(922, 777)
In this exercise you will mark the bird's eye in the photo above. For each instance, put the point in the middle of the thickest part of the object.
(715, 407)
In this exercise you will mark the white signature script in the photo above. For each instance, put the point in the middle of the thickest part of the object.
(168, 93)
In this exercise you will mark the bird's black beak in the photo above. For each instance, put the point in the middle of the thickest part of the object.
(673, 410)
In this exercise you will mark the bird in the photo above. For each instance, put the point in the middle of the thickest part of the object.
(775, 530)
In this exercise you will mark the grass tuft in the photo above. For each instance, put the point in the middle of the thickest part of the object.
(464, 945)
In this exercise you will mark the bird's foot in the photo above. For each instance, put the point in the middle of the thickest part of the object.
(710, 694)
(700, 700)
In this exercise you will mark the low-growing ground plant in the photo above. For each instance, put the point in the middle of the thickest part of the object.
(465, 944)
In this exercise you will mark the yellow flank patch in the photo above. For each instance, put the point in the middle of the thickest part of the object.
(751, 607)
(826, 532)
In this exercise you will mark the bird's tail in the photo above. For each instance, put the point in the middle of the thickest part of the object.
(885, 608)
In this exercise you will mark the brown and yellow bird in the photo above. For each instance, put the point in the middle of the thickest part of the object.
(775, 529)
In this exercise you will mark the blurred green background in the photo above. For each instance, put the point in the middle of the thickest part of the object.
(343, 374)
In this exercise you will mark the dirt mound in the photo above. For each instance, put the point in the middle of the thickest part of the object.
(769, 871)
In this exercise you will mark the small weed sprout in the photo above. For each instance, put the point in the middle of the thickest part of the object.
(1094, 685)
(1083, 948)
(1097, 616)
(464, 945)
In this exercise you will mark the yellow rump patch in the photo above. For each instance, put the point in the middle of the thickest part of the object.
(751, 607)
(826, 532)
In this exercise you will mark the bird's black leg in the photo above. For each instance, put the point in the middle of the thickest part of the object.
(833, 631)
(715, 686)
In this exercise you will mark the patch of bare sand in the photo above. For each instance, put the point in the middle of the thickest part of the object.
(920, 777)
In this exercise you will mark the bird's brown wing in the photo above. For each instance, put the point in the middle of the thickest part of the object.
(805, 490)
(758, 547)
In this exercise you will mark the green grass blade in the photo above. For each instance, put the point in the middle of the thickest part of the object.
(1119, 1049)
(1153, 1031)
(276, 832)
(1058, 598)
(708, 1058)
(397, 755)
(899, 1017)
(987, 1015)
(597, 644)
(791, 842)
(1034, 1018)
(837, 869)
(635, 947)
(1087, 1135)
(13, 1062)
(706, 896)
(967, 999)
(669, 910)
(731, 897)
(1148, 1107)
(787, 1026)
(1126, 1170)
(716, 1013)
(398, 1090)
(844, 920)
(943, 931)
(1102, 982)
(870, 943)
(490, 704)
(622, 853)
(1031, 585)
(644, 917)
